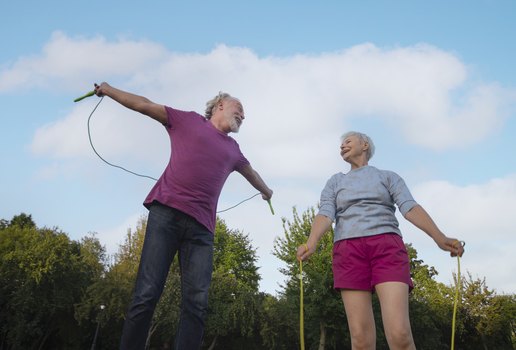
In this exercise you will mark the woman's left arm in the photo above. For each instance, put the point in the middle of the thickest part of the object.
(422, 220)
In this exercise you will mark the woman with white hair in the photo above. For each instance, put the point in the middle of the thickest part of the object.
(369, 254)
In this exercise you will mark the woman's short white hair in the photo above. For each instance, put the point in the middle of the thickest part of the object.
(364, 138)
(212, 104)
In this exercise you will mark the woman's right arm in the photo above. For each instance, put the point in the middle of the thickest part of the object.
(320, 226)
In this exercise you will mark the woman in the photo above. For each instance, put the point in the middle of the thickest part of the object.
(369, 254)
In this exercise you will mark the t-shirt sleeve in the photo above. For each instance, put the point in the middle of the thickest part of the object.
(400, 193)
(328, 203)
(177, 117)
(241, 162)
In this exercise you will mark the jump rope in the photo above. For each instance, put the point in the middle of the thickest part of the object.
(300, 276)
(91, 93)
(456, 299)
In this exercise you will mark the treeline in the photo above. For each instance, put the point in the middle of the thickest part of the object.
(56, 293)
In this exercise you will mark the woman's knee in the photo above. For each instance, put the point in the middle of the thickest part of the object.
(363, 338)
(400, 338)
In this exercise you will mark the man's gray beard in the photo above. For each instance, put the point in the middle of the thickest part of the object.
(235, 127)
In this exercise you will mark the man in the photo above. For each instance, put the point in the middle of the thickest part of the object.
(182, 210)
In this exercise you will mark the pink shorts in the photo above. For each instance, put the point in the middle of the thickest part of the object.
(362, 263)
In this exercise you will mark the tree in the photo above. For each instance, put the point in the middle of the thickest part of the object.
(489, 318)
(113, 289)
(324, 317)
(279, 323)
(431, 306)
(22, 221)
(51, 290)
(42, 275)
(233, 312)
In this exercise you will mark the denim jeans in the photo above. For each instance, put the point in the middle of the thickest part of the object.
(170, 231)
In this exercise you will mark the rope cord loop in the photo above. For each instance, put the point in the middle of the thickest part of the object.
(456, 299)
(236, 205)
(97, 153)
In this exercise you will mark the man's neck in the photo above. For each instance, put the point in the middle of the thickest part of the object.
(219, 125)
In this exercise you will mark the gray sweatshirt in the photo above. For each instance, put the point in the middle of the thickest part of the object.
(362, 202)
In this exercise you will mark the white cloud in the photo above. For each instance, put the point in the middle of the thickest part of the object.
(64, 61)
(287, 99)
(120, 136)
(482, 216)
(296, 109)
(60, 138)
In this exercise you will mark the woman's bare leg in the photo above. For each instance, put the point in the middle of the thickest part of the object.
(359, 312)
(393, 298)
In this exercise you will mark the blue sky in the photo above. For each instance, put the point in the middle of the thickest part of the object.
(433, 83)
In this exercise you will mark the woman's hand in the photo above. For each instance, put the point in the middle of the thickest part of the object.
(452, 245)
(304, 252)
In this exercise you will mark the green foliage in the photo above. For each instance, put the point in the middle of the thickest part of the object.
(42, 275)
(112, 289)
(280, 323)
(430, 306)
(489, 319)
(325, 322)
(22, 221)
(233, 312)
(234, 256)
(51, 290)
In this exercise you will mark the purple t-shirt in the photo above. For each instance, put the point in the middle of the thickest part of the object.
(201, 160)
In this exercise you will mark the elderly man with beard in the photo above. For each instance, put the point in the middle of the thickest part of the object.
(182, 210)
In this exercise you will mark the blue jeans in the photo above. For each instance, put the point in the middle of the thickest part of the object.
(170, 231)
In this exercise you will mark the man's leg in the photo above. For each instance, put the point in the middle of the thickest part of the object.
(160, 246)
(196, 260)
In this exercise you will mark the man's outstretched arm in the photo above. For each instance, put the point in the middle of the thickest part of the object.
(256, 181)
(135, 102)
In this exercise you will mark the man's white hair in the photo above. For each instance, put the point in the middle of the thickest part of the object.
(212, 104)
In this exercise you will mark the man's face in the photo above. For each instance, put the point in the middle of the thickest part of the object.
(234, 114)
